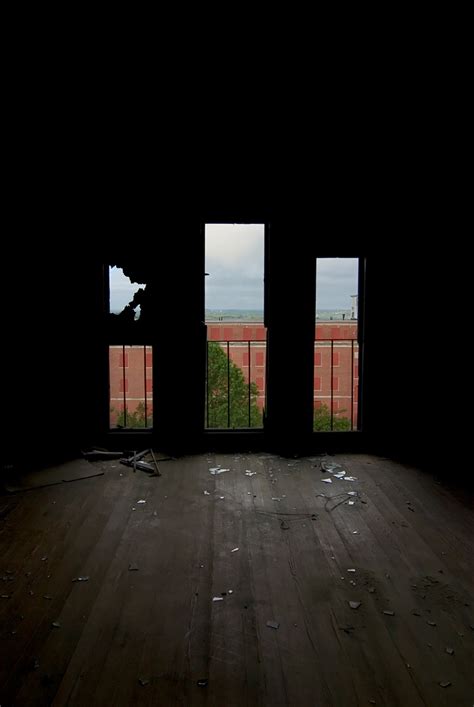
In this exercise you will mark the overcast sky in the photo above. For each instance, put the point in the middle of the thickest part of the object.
(235, 260)
(121, 289)
(336, 281)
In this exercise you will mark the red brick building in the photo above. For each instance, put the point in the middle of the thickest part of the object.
(130, 383)
(336, 367)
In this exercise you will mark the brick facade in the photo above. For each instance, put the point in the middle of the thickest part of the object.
(131, 366)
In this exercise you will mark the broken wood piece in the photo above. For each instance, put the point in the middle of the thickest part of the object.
(155, 463)
(136, 462)
(136, 456)
(100, 454)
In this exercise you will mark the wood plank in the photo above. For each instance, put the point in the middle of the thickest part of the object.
(159, 625)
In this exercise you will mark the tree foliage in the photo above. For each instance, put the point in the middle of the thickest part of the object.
(322, 420)
(220, 372)
(223, 374)
(136, 418)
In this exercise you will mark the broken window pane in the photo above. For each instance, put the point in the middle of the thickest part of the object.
(124, 295)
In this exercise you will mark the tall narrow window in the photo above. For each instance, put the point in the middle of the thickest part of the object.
(130, 359)
(336, 348)
(236, 335)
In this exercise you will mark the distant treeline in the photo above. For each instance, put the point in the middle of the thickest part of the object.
(216, 315)
(256, 315)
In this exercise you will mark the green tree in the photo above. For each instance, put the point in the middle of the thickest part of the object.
(219, 368)
(135, 418)
(322, 420)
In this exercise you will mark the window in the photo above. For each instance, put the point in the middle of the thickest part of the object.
(130, 359)
(234, 265)
(336, 338)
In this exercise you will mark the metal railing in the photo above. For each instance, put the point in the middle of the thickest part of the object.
(233, 399)
(328, 416)
(130, 372)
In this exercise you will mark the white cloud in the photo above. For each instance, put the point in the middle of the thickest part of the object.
(235, 262)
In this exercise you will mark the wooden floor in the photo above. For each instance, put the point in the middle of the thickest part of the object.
(276, 549)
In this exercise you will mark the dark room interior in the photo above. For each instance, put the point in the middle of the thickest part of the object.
(263, 588)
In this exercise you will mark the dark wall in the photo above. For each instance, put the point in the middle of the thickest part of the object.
(51, 348)
(416, 372)
(56, 389)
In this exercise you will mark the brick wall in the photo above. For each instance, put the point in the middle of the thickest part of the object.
(131, 367)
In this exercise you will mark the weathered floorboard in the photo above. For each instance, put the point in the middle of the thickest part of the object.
(150, 635)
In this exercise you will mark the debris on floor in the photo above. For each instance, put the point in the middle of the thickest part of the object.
(136, 461)
(80, 579)
(355, 604)
(99, 454)
(273, 624)
(331, 467)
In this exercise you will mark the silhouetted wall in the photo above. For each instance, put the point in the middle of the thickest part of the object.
(56, 398)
